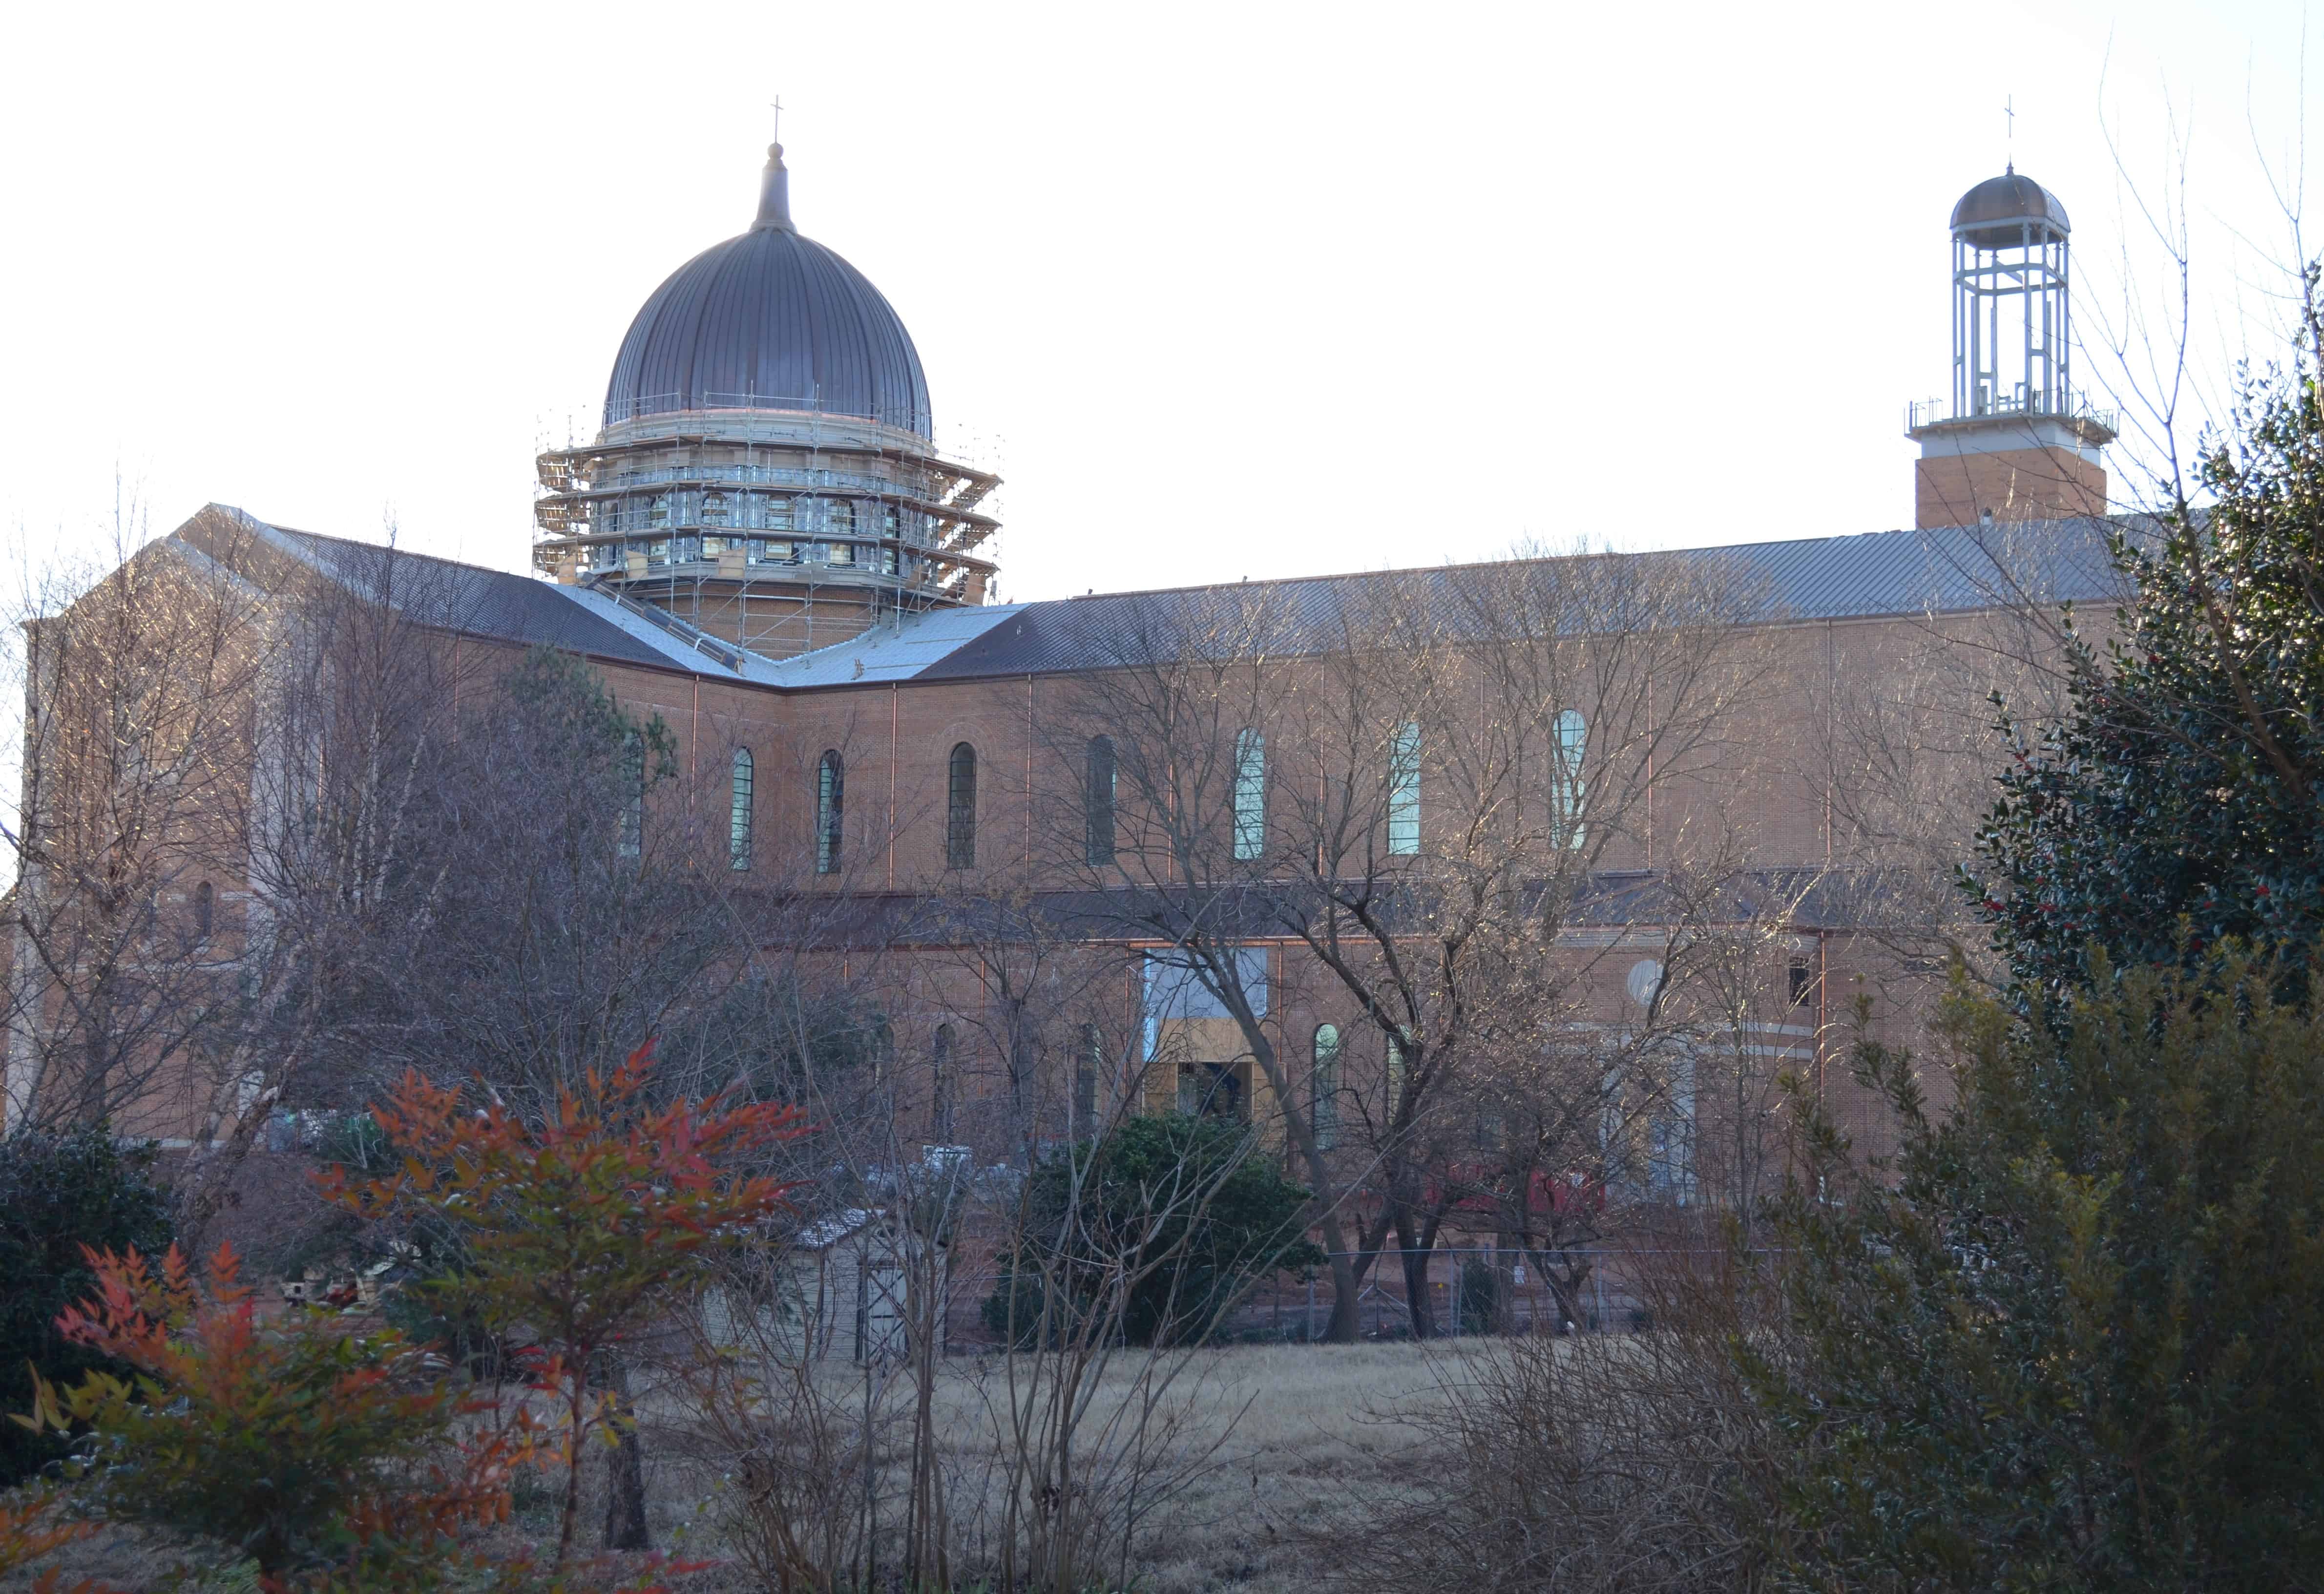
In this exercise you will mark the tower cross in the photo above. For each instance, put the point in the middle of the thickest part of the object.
(2009, 142)
(777, 104)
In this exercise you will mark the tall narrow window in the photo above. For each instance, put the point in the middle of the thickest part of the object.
(960, 809)
(1085, 1071)
(1097, 801)
(940, 1083)
(738, 813)
(1404, 791)
(1565, 781)
(1323, 1082)
(205, 909)
(1250, 795)
(830, 811)
(632, 837)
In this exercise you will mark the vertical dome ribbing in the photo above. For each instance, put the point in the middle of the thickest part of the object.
(771, 320)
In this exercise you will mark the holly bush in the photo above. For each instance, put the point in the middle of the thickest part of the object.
(2177, 805)
(59, 1195)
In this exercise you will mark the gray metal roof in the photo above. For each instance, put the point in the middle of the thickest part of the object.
(771, 320)
(1952, 570)
(1991, 215)
(900, 650)
(467, 598)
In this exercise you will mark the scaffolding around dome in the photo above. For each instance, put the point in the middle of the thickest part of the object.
(766, 471)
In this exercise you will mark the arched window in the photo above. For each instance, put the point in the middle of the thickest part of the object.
(830, 811)
(205, 908)
(1097, 801)
(960, 809)
(1565, 790)
(1404, 791)
(738, 813)
(631, 838)
(940, 1083)
(1250, 795)
(1323, 1084)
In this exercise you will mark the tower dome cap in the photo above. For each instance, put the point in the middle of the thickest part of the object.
(1994, 214)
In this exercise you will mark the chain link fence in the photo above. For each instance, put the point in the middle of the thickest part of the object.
(1471, 1290)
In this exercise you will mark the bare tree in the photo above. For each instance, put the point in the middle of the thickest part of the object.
(1410, 788)
(141, 688)
(228, 753)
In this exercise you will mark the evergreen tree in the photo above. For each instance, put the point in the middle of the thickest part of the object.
(2080, 1342)
(2184, 784)
(1163, 1223)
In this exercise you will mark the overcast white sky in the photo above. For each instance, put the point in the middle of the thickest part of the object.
(1223, 290)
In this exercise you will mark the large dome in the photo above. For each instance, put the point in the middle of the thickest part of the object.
(770, 320)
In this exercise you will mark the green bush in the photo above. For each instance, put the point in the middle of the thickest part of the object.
(58, 1193)
(2175, 804)
(1186, 1209)
(2080, 1342)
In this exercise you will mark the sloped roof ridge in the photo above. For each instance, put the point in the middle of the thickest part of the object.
(363, 545)
(502, 605)
(1763, 546)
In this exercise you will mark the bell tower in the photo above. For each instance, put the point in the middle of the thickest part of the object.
(2016, 442)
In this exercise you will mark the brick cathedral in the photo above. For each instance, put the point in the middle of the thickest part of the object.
(764, 549)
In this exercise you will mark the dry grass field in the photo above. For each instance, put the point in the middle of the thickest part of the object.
(1281, 1459)
(1275, 1472)
(1303, 1441)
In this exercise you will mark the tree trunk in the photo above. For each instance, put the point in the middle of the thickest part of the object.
(625, 1484)
(1565, 1288)
(1417, 1306)
(1341, 1329)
